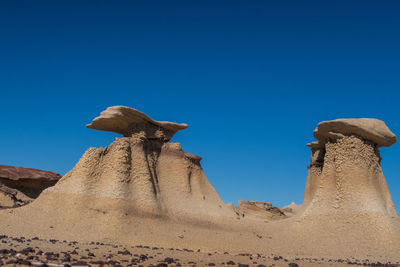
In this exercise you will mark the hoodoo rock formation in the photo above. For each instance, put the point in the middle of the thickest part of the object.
(345, 173)
(347, 206)
(154, 176)
(19, 186)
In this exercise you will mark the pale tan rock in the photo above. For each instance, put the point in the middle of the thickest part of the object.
(345, 173)
(373, 130)
(150, 175)
(128, 121)
(291, 209)
(346, 176)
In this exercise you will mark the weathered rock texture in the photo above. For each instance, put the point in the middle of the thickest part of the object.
(153, 176)
(131, 122)
(19, 186)
(345, 173)
(142, 189)
(347, 206)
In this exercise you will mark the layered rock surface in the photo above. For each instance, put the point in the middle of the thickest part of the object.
(347, 206)
(19, 186)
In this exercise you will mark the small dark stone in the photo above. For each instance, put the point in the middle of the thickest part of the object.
(28, 250)
(162, 265)
(125, 252)
(102, 263)
(80, 263)
(292, 264)
(169, 260)
(4, 251)
(230, 263)
(143, 257)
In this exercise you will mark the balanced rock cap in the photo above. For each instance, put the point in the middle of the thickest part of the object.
(126, 120)
(373, 130)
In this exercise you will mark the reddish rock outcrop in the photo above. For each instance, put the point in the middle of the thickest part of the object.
(19, 186)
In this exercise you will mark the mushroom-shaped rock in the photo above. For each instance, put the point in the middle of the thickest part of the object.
(129, 121)
(345, 173)
(373, 130)
(141, 172)
(346, 199)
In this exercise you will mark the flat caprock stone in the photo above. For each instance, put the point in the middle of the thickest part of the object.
(373, 130)
(129, 121)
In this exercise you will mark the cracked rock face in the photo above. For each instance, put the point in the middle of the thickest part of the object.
(19, 186)
(345, 174)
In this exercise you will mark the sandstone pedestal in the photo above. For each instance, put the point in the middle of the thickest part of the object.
(345, 173)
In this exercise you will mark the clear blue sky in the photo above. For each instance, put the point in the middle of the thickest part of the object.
(251, 78)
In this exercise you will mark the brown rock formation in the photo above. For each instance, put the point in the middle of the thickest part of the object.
(345, 173)
(153, 176)
(347, 208)
(19, 186)
(128, 121)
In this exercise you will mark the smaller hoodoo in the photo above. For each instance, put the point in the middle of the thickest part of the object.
(347, 209)
(345, 173)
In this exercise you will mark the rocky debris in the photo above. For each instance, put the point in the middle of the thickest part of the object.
(345, 173)
(128, 122)
(258, 209)
(373, 130)
(59, 255)
(291, 209)
(19, 186)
